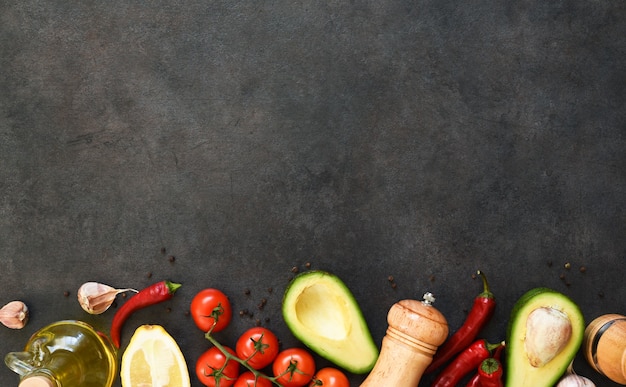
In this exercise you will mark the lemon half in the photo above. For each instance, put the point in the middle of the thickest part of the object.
(153, 359)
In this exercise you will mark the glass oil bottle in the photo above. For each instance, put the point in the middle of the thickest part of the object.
(65, 354)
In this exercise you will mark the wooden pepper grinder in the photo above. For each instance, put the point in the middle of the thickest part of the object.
(604, 345)
(416, 329)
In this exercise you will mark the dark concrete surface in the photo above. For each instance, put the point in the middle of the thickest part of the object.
(418, 139)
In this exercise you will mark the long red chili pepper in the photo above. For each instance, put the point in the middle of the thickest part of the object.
(482, 310)
(153, 294)
(466, 362)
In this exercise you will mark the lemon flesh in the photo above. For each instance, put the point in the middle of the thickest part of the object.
(153, 359)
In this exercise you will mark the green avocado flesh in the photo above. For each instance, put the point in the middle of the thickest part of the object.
(322, 313)
(519, 369)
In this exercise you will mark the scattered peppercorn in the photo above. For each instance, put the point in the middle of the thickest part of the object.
(262, 303)
(168, 309)
(307, 265)
(562, 276)
(294, 269)
(270, 290)
(582, 269)
(171, 258)
(246, 291)
(66, 293)
(149, 275)
(567, 265)
(257, 322)
(549, 263)
(432, 278)
(163, 250)
(392, 282)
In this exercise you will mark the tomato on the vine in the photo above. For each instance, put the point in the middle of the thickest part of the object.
(330, 377)
(294, 367)
(213, 369)
(258, 346)
(247, 379)
(211, 306)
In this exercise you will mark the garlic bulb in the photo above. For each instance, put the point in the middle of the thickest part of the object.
(96, 298)
(571, 379)
(14, 315)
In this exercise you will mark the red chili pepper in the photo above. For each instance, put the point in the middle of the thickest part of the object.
(474, 382)
(466, 362)
(482, 310)
(489, 372)
(153, 294)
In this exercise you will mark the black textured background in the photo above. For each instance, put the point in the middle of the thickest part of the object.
(418, 139)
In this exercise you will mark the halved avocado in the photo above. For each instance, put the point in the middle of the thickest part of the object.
(322, 313)
(544, 333)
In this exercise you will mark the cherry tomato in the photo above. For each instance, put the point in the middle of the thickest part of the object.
(330, 377)
(258, 346)
(247, 379)
(294, 367)
(209, 305)
(209, 368)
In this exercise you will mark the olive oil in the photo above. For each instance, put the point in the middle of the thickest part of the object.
(65, 354)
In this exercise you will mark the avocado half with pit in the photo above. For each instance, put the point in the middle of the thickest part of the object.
(322, 313)
(543, 336)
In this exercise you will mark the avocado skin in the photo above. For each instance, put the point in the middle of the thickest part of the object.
(368, 350)
(515, 353)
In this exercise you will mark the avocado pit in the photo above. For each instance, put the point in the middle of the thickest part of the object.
(548, 330)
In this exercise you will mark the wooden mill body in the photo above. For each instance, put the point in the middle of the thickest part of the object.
(605, 346)
(416, 329)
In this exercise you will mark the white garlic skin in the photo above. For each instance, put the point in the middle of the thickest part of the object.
(573, 380)
(14, 315)
(96, 298)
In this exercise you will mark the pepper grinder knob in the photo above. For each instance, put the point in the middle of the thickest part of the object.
(416, 329)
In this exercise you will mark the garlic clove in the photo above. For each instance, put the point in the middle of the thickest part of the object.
(96, 298)
(571, 379)
(575, 381)
(548, 331)
(14, 315)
